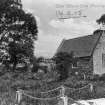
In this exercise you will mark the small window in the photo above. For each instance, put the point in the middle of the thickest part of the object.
(74, 65)
(103, 60)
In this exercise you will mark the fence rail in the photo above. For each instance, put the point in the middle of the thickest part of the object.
(61, 96)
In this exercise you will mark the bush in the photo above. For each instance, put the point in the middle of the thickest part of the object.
(102, 77)
(95, 77)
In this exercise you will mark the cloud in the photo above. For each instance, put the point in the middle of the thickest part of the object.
(53, 2)
(70, 25)
(46, 44)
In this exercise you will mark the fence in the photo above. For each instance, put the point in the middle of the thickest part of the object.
(61, 99)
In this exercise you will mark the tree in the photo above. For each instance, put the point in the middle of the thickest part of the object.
(18, 31)
(101, 20)
(36, 63)
(63, 62)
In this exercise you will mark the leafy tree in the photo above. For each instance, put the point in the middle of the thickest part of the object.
(35, 62)
(101, 20)
(63, 62)
(18, 31)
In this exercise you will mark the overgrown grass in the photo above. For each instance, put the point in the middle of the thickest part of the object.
(35, 83)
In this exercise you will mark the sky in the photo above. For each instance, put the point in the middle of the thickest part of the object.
(52, 30)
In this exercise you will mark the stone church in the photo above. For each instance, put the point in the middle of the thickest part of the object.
(88, 50)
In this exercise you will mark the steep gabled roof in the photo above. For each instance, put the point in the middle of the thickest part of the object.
(81, 46)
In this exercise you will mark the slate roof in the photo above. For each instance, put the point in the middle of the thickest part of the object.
(81, 46)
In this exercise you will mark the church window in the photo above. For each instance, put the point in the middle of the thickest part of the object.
(103, 60)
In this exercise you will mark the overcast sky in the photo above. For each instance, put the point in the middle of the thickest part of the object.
(52, 30)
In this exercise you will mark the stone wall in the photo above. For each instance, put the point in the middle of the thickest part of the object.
(98, 60)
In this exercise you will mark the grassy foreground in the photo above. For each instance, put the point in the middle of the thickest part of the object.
(40, 82)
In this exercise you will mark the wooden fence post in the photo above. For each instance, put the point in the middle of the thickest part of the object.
(91, 87)
(18, 96)
(63, 96)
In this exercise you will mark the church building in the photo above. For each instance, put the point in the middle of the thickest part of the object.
(88, 50)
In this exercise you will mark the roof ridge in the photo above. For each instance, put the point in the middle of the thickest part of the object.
(80, 37)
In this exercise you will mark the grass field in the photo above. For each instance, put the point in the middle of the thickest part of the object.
(35, 83)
